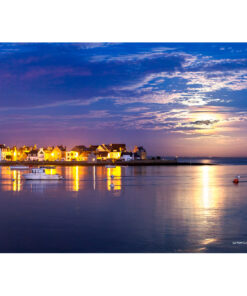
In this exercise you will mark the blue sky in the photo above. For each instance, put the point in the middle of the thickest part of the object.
(175, 99)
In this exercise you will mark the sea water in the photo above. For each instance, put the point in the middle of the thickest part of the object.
(125, 209)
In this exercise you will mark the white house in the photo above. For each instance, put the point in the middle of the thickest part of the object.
(33, 155)
(127, 156)
(71, 155)
(41, 154)
(4, 151)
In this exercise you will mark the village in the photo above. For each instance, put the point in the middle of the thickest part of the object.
(81, 153)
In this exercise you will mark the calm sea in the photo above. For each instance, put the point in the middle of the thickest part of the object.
(149, 209)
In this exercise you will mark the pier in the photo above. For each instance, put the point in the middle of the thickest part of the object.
(145, 162)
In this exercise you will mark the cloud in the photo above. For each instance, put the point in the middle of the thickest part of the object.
(198, 86)
(136, 109)
(148, 54)
(146, 88)
(56, 104)
(55, 72)
(204, 122)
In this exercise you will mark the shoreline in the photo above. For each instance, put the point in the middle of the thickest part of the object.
(104, 163)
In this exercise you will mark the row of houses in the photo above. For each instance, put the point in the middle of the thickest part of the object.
(77, 153)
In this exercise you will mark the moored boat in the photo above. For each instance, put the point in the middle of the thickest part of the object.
(47, 167)
(240, 178)
(19, 167)
(40, 174)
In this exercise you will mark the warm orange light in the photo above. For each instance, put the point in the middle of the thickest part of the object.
(76, 180)
(16, 181)
(114, 155)
(116, 181)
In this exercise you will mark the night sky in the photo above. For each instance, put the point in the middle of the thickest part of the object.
(174, 99)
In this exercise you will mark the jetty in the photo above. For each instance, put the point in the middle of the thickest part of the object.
(146, 162)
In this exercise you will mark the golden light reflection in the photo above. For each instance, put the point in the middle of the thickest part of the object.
(75, 174)
(6, 175)
(16, 181)
(208, 241)
(205, 183)
(116, 180)
(210, 191)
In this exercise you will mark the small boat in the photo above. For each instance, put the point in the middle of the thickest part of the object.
(242, 178)
(110, 166)
(47, 167)
(40, 174)
(19, 167)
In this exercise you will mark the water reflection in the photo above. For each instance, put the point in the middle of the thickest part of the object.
(76, 180)
(205, 184)
(211, 189)
(16, 180)
(94, 178)
(114, 181)
(41, 185)
(164, 209)
(10, 180)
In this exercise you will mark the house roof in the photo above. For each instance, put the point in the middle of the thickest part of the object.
(61, 147)
(79, 148)
(127, 153)
(33, 153)
(93, 147)
(139, 149)
(104, 147)
(48, 149)
(113, 147)
(118, 147)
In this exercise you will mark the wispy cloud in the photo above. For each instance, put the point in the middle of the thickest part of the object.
(56, 104)
(148, 54)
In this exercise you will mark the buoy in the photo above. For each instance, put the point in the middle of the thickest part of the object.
(235, 181)
(112, 176)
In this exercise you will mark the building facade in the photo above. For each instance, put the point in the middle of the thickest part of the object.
(140, 153)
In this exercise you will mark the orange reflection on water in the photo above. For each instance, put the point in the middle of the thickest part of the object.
(116, 180)
(16, 180)
(10, 180)
(6, 176)
(76, 180)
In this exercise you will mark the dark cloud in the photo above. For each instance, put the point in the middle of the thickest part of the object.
(204, 122)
